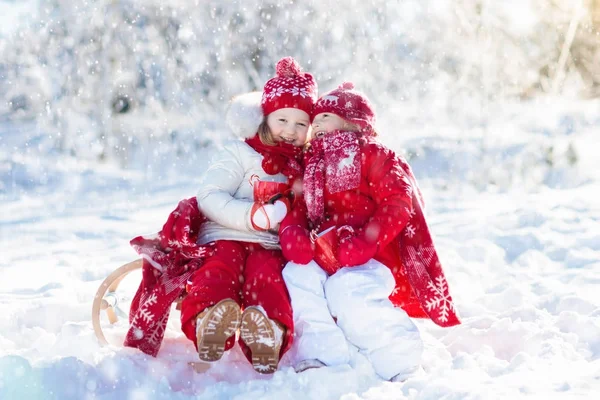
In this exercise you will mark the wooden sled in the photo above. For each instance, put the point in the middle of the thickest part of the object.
(106, 300)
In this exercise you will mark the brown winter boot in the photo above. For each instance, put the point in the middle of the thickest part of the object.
(214, 326)
(264, 337)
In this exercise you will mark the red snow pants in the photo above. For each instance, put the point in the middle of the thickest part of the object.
(246, 273)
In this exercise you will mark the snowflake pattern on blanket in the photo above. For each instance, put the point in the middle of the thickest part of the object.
(422, 265)
(170, 257)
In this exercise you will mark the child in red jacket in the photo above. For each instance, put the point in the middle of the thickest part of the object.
(387, 268)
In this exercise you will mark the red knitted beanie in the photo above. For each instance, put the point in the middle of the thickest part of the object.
(349, 104)
(290, 88)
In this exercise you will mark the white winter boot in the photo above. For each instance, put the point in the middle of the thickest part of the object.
(214, 326)
(264, 337)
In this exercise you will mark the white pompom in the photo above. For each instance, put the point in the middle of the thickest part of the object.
(270, 215)
(244, 114)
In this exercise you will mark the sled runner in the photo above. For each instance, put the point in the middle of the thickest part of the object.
(107, 300)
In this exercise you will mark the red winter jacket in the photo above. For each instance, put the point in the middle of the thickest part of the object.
(384, 202)
(382, 199)
(388, 204)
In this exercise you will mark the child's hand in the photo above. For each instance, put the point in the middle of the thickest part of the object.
(268, 216)
(296, 244)
(355, 249)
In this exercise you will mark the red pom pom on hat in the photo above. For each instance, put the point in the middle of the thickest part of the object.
(288, 67)
(291, 88)
(346, 86)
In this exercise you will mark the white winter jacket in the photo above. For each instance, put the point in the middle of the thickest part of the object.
(226, 194)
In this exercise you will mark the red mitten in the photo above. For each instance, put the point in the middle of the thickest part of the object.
(355, 250)
(296, 245)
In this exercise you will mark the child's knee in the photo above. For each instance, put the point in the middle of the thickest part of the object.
(226, 255)
(359, 281)
(306, 276)
(339, 290)
(264, 261)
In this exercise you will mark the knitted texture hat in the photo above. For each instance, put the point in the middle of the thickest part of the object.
(349, 104)
(290, 88)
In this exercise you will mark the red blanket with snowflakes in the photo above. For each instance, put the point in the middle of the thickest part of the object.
(423, 267)
(170, 257)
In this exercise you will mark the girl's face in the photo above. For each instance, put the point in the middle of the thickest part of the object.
(289, 125)
(327, 122)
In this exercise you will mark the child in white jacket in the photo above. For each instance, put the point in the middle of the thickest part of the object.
(240, 286)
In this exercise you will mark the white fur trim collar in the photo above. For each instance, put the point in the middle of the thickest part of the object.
(244, 114)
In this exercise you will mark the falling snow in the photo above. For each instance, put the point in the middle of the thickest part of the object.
(106, 109)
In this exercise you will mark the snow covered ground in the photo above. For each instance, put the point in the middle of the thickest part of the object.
(520, 242)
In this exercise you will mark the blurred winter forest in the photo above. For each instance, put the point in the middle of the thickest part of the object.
(104, 78)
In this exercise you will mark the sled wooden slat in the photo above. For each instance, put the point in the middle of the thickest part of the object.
(108, 288)
(106, 300)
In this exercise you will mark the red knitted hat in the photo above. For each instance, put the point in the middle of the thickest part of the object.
(291, 88)
(349, 104)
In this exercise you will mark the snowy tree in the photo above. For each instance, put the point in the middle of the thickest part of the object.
(93, 70)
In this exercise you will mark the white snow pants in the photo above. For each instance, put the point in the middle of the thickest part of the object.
(358, 298)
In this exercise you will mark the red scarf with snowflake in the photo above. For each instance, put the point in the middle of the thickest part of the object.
(334, 162)
(170, 257)
(279, 158)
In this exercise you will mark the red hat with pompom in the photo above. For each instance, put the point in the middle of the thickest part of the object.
(291, 88)
(349, 104)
